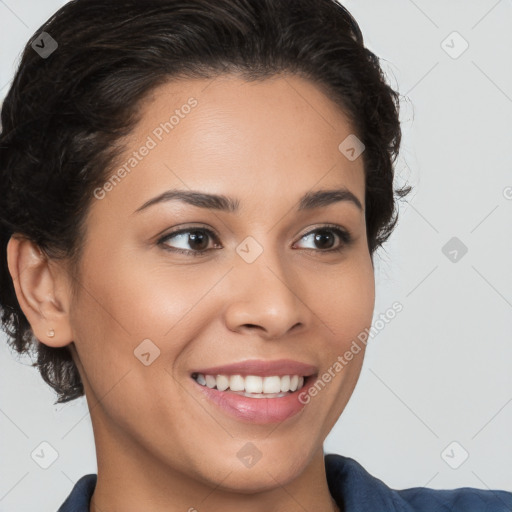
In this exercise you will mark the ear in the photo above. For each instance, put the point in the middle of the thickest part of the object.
(42, 290)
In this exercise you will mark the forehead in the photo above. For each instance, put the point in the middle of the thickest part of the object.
(262, 140)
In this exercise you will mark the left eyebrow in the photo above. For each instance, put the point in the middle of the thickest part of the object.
(308, 201)
(320, 198)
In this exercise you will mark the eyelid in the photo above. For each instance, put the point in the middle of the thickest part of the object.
(184, 229)
(319, 227)
(188, 229)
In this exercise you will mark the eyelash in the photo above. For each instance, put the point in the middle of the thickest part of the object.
(344, 236)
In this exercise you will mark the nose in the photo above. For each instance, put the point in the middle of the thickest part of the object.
(265, 298)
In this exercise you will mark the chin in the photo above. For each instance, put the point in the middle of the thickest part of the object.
(258, 479)
(267, 469)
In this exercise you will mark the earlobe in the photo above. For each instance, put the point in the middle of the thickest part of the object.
(40, 292)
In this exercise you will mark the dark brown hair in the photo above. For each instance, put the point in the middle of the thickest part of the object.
(64, 114)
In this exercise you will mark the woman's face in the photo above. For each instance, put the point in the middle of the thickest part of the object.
(147, 318)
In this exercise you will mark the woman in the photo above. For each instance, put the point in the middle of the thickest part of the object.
(195, 194)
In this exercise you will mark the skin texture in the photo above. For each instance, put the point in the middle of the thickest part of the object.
(160, 444)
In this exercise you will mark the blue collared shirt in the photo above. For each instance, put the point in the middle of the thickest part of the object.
(355, 490)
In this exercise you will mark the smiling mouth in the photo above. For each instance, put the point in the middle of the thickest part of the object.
(253, 386)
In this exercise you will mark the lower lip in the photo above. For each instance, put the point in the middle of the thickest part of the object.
(258, 410)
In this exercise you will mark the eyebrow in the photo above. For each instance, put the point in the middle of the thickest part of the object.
(308, 201)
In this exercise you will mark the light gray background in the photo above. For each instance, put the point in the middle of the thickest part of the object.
(440, 371)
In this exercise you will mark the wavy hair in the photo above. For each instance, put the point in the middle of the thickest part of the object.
(64, 115)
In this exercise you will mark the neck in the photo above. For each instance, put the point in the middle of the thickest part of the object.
(132, 478)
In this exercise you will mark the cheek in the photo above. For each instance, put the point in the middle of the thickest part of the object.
(144, 402)
(344, 301)
(344, 304)
(135, 300)
(125, 301)
(118, 309)
(347, 308)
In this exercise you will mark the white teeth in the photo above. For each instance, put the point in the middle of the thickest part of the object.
(271, 385)
(222, 382)
(252, 384)
(211, 381)
(236, 383)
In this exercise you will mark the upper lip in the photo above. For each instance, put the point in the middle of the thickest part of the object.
(263, 368)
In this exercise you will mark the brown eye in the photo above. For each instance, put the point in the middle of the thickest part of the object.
(324, 239)
(193, 241)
